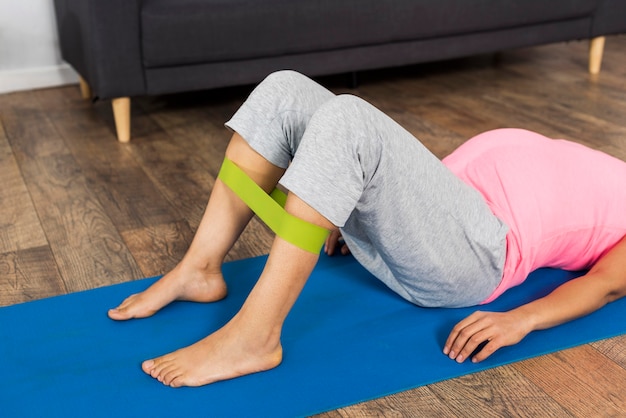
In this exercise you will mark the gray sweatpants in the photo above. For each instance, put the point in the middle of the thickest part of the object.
(405, 217)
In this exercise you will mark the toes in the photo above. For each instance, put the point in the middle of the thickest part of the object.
(154, 367)
(176, 382)
(116, 314)
(134, 306)
(166, 372)
(121, 312)
(170, 375)
(147, 366)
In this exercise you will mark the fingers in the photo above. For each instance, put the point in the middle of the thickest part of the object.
(333, 241)
(454, 339)
(474, 332)
(487, 350)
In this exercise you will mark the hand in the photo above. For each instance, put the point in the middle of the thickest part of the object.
(494, 329)
(333, 240)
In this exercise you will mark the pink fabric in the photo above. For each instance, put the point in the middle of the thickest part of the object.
(565, 204)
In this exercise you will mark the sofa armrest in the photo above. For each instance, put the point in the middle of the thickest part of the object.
(101, 40)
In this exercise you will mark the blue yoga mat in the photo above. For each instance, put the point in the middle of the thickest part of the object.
(348, 339)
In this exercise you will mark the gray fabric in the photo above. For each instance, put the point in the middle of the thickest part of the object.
(406, 218)
(244, 29)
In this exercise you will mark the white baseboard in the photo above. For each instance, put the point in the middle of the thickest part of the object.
(37, 78)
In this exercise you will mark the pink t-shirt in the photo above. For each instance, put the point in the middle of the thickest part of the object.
(565, 204)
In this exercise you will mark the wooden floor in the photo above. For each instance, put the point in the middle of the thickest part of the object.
(79, 210)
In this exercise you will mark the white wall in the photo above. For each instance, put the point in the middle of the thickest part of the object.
(29, 47)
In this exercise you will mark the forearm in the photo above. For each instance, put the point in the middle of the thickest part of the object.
(572, 300)
(604, 283)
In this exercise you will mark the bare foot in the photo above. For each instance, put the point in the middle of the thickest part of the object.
(225, 354)
(182, 283)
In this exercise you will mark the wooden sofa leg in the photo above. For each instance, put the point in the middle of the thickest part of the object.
(85, 90)
(121, 113)
(596, 48)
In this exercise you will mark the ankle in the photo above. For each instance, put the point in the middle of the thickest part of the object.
(260, 335)
(201, 265)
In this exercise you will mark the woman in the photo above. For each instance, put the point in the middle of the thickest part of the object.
(457, 233)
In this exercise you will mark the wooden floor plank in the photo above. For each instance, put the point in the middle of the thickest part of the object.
(19, 225)
(513, 395)
(592, 387)
(110, 170)
(182, 177)
(418, 402)
(158, 248)
(613, 348)
(88, 249)
(29, 274)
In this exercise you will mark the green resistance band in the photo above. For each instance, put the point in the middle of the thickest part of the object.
(270, 209)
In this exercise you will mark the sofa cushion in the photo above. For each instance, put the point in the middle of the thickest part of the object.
(179, 32)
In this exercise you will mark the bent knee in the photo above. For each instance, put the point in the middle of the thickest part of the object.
(347, 109)
(346, 112)
(343, 103)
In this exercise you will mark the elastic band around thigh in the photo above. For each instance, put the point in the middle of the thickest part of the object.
(270, 209)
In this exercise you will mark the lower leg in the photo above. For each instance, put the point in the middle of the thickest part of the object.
(198, 276)
(250, 342)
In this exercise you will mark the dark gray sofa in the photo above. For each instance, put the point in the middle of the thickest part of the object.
(130, 48)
